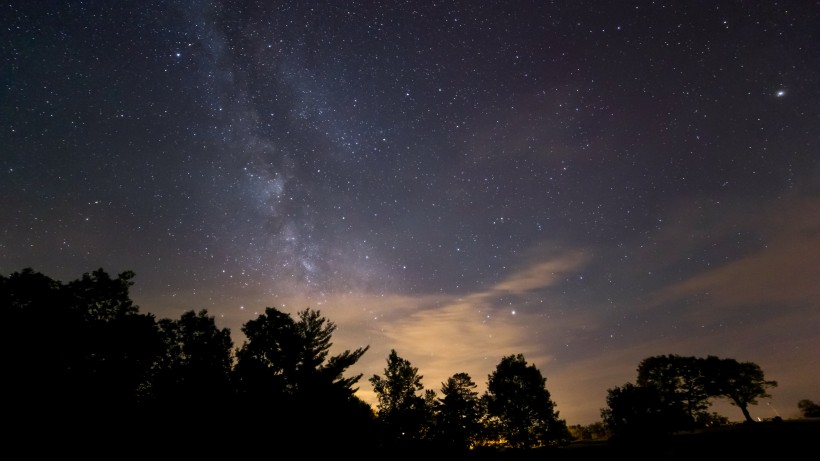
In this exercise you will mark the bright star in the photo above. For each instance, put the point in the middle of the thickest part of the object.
(780, 93)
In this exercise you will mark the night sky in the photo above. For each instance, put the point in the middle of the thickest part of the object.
(587, 183)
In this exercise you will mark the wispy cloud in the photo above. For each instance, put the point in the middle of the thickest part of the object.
(445, 335)
(782, 273)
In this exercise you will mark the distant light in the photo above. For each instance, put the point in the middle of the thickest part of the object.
(780, 93)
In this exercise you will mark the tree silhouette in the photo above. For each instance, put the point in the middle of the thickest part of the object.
(192, 379)
(680, 385)
(284, 369)
(402, 408)
(117, 344)
(459, 412)
(266, 362)
(101, 298)
(82, 353)
(673, 392)
(635, 412)
(292, 357)
(740, 382)
(519, 402)
(809, 409)
(40, 349)
(83, 363)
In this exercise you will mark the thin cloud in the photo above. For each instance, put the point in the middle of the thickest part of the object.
(448, 335)
(783, 272)
(540, 274)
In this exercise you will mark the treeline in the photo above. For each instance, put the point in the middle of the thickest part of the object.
(673, 393)
(86, 367)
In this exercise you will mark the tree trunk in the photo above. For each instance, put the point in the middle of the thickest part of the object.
(746, 414)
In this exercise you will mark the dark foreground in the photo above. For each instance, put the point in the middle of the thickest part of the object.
(776, 440)
(790, 439)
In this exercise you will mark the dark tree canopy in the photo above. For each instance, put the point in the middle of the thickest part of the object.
(285, 370)
(459, 412)
(44, 344)
(80, 348)
(680, 387)
(809, 409)
(84, 363)
(402, 407)
(289, 358)
(194, 372)
(743, 383)
(519, 402)
(99, 297)
(84, 348)
(639, 412)
(673, 392)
